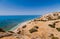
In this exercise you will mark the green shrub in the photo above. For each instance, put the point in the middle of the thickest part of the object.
(1, 30)
(33, 30)
(36, 27)
(24, 26)
(58, 29)
(55, 38)
(53, 26)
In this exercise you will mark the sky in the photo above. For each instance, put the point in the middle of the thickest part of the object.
(28, 7)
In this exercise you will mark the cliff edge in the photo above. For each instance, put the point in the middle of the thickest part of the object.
(45, 27)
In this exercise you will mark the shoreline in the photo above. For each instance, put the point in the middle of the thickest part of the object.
(21, 24)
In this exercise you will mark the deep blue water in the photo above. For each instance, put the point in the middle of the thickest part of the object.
(8, 22)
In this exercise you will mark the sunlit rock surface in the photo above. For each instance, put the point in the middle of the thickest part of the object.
(45, 27)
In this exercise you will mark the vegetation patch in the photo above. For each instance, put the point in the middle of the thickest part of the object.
(33, 30)
(58, 29)
(1, 30)
(52, 35)
(58, 17)
(19, 32)
(11, 31)
(55, 38)
(24, 26)
(36, 27)
(53, 26)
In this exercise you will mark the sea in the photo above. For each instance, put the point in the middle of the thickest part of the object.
(9, 22)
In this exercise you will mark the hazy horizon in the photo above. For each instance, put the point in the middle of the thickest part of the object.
(28, 7)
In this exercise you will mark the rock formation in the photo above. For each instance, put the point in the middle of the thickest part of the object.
(45, 27)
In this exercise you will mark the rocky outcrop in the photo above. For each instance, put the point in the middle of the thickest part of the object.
(45, 27)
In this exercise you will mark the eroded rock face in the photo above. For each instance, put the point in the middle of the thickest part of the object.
(46, 27)
(52, 16)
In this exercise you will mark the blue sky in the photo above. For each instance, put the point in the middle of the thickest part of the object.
(28, 7)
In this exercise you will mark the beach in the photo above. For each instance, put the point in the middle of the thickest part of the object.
(19, 25)
(14, 29)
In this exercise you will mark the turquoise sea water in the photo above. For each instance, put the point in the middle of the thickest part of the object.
(8, 22)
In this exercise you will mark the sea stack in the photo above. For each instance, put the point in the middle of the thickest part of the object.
(45, 27)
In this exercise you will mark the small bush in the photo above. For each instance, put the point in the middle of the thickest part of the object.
(11, 31)
(1, 30)
(53, 26)
(33, 30)
(36, 27)
(58, 29)
(55, 38)
(19, 32)
(24, 26)
(58, 17)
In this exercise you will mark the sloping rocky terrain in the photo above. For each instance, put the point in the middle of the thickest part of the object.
(45, 27)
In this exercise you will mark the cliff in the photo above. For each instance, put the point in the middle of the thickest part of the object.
(45, 27)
